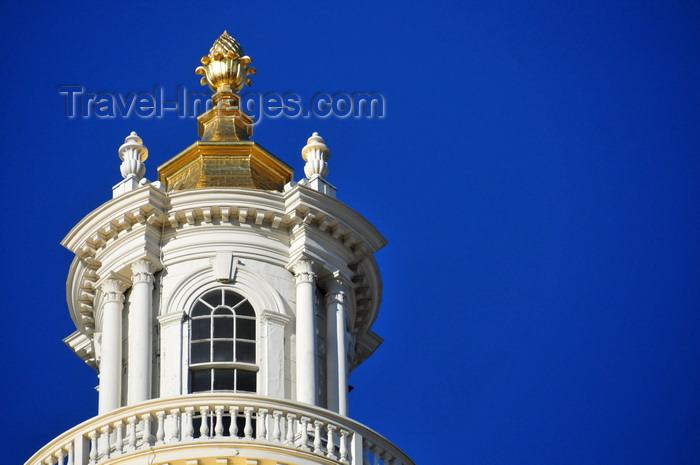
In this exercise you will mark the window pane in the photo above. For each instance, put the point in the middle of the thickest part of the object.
(222, 311)
(213, 298)
(200, 309)
(223, 351)
(200, 380)
(245, 352)
(199, 352)
(223, 379)
(245, 309)
(223, 327)
(231, 298)
(200, 328)
(245, 329)
(245, 380)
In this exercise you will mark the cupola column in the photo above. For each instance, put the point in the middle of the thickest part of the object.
(140, 332)
(336, 357)
(306, 332)
(111, 353)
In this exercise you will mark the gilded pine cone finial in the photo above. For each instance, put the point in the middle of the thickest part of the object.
(226, 67)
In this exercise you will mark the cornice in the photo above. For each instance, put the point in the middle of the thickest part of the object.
(144, 205)
(226, 205)
(275, 317)
(170, 318)
(81, 344)
(365, 345)
(309, 207)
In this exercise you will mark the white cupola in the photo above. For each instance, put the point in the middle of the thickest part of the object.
(224, 306)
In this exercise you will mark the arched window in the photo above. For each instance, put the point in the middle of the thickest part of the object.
(222, 343)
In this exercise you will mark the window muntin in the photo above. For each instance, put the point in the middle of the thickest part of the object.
(222, 343)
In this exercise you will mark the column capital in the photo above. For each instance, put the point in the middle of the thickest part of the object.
(304, 271)
(112, 290)
(336, 282)
(142, 272)
(336, 289)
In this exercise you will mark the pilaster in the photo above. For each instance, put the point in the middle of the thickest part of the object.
(171, 360)
(274, 325)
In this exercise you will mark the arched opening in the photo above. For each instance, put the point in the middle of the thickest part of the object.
(222, 343)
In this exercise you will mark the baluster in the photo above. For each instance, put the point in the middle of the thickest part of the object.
(330, 446)
(304, 439)
(71, 457)
(219, 427)
(248, 430)
(119, 442)
(233, 427)
(204, 427)
(188, 429)
(276, 432)
(50, 460)
(105, 440)
(130, 434)
(160, 432)
(93, 447)
(59, 457)
(377, 454)
(289, 441)
(317, 437)
(366, 446)
(262, 423)
(146, 436)
(344, 446)
(174, 429)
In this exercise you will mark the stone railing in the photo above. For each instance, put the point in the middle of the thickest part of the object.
(234, 418)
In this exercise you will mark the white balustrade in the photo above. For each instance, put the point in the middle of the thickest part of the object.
(204, 426)
(262, 423)
(173, 426)
(203, 417)
(93, 447)
(248, 430)
(330, 445)
(104, 438)
(317, 437)
(71, 457)
(119, 442)
(160, 432)
(344, 446)
(276, 431)
(219, 427)
(131, 435)
(233, 429)
(189, 426)
(304, 439)
(289, 437)
(146, 436)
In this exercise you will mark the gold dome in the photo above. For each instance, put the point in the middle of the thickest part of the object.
(225, 157)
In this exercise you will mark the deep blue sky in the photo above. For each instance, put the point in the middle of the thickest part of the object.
(537, 176)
